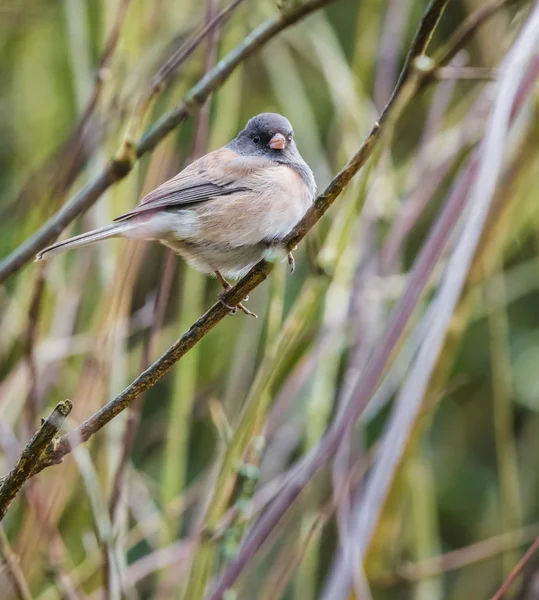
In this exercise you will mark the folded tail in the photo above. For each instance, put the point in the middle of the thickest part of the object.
(85, 239)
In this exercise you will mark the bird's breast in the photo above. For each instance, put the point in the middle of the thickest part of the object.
(277, 199)
(269, 205)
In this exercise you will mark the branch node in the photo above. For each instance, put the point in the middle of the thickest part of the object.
(424, 64)
(59, 414)
(124, 160)
(29, 460)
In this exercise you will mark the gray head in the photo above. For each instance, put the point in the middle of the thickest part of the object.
(271, 136)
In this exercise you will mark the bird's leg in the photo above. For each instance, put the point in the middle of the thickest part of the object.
(226, 287)
(291, 260)
(233, 309)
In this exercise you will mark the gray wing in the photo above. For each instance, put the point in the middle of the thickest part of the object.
(219, 173)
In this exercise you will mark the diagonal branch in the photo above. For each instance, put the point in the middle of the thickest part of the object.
(366, 382)
(119, 166)
(11, 484)
(516, 571)
(404, 91)
(416, 76)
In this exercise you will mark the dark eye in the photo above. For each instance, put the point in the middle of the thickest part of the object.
(289, 137)
(256, 139)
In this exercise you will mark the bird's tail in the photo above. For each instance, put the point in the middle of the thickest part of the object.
(85, 239)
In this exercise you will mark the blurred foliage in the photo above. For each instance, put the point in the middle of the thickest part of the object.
(471, 472)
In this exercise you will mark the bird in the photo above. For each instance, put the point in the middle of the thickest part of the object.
(225, 211)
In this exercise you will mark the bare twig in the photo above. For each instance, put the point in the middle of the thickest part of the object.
(408, 83)
(516, 571)
(257, 274)
(11, 484)
(103, 66)
(118, 167)
(365, 387)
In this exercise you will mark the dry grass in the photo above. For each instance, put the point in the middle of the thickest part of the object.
(373, 434)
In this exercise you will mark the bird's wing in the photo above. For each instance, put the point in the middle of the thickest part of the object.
(219, 173)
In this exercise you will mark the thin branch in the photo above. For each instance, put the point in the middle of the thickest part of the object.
(11, 484)
(402, 93)
(516, 571)
(119, 166)
(408, 83)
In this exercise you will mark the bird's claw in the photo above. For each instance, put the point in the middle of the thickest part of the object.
(234, 309)
(247, 311)
(291, 262)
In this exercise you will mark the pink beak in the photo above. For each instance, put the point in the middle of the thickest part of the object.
(277, 142)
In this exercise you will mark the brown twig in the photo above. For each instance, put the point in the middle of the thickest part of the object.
(11, 484)
(409, 81)
(118, 167)
(215, 314)
(516, 571)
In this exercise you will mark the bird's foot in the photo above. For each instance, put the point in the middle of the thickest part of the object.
(291, 261)
(245, 310)
(234, 309)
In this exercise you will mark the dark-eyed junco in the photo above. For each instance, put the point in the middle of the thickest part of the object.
(228, 209)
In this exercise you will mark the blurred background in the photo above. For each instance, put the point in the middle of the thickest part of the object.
(121, 516)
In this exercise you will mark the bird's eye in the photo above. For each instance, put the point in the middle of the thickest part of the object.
(256, 139)
(289, 137)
